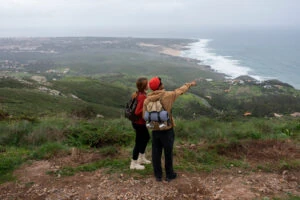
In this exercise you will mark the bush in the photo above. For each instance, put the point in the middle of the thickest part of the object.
(13, 133)
(27, 133)
(100, 133)
(85, 112)
(3, 115)
(48, 150)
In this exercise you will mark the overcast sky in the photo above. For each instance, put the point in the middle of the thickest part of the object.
(140, 17)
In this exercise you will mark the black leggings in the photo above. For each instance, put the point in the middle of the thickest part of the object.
(142, 137)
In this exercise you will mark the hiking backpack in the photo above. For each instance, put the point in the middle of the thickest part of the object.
(156, 116)
(130, 109)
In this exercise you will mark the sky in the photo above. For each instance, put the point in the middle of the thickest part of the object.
(31, 18)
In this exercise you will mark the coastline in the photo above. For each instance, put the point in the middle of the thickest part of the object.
(175, 51)
(171, 51)
(243, 72)
(178, 52)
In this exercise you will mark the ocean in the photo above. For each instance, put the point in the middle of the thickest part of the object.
(261, 54)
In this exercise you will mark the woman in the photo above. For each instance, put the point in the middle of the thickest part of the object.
(141, 132)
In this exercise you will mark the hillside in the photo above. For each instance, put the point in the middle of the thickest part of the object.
(63, 134)
(100, 73)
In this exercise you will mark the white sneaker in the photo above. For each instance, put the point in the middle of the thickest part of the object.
(135, 165)
(142, 159)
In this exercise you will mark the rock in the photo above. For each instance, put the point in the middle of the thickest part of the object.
(277, 115)
(295, 114)
(75, 153)
(285, 172)
(247, 114)
(99, 116)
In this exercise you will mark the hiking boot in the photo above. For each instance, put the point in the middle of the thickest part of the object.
(142, 159)
(135, 165)
(158, 179)
(169, 178)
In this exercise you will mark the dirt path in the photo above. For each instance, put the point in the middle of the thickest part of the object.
(33, 182)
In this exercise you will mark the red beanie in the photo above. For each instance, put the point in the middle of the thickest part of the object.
(154, 83)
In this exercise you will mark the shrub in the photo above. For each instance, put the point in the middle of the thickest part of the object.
(48, 150)
(100, 133)
(85, 112)
(13, 133)
(3, 115)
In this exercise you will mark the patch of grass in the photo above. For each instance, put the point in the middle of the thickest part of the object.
(289, 196)
(50, 129)
(230, 163)
(279, 166)
(109, 150)
(9, 161)
(28, 133)
(100, 133)
(48, 150)
(196, 159)
(265, 167)
(213, 130)
(111, 165)
(293, 197)
(14, 132)
(289, 165)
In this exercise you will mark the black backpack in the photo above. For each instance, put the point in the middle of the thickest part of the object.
(130, 109)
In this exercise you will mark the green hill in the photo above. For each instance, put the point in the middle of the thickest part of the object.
(76, 96)
(49, 102)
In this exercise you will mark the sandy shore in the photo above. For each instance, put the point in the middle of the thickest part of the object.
(171, 51)
(175, 51)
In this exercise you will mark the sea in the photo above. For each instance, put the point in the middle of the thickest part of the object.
(262, 54)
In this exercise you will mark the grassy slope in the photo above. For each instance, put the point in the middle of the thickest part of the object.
(104, 80)
(24, 101)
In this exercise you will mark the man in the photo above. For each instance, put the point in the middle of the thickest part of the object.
(164, 139)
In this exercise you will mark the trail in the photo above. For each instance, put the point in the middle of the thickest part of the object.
(35, 182)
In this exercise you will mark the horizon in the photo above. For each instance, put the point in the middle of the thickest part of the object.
(206, 32)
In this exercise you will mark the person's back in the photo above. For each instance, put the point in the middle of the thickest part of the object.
(141, 132)
(167, 98)
(164, 139)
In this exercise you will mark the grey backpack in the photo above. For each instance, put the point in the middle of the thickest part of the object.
(156, 116)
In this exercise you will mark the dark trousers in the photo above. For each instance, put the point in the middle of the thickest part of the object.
(141, 139)
(162, 140)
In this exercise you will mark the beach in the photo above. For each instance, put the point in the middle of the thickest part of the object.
(175, 51)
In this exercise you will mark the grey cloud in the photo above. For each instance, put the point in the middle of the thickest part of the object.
(118, 15)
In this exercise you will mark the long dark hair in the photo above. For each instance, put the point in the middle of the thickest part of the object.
(141, 85)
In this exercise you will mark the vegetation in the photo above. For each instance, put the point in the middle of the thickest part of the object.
(83, 109)
(202, 144)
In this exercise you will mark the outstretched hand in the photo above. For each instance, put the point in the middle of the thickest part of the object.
(193, 83)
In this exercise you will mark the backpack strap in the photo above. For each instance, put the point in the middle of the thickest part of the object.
(134, 98)
(158, 117)
(160, 98)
